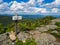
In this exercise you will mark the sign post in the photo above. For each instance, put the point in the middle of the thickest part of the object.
(16, 18)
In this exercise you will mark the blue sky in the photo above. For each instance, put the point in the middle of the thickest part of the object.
(45, 1)
(30, 7)
(16, 0)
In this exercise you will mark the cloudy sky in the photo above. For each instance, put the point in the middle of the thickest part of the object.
(30, 7)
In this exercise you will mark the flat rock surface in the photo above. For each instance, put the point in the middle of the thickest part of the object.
(46, 39)
(46, 28)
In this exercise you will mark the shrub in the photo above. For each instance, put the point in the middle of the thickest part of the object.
(19, 43)
(58, 24)
(30, 42)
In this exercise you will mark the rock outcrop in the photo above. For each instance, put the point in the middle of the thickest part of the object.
(46, 39)
(4, 39)
(40, 38)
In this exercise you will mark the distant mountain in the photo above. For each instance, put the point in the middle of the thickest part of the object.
(7, 19)
(34, 16)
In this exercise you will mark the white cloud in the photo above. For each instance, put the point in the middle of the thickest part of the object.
(19, 6)
(3, 6)
(29, 7)
(1, 1)
(40, 2)
(55, 10)
(31, 2)
(41, 10)
(56, 2)
(44, 11)
(23, 7)
(34, 2)
(16, 6)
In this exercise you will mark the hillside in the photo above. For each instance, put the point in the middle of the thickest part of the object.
(5, 20)
(44, 31)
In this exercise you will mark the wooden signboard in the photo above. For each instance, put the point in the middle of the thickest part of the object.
(17, 18)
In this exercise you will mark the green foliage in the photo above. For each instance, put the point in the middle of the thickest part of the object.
(56, 35)
(2, 29)
(23, 25)
(10, 28)
(46, 20)
(58, 24)
(6, 20)
(27, 25)
(57, 29)
(49, 17)
(30, 42)
(19, 43)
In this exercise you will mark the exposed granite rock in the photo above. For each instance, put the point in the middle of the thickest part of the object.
(57, 43)
(54, 21)
(46, 39)
(40, 38)
(46, 28)
(23, 36)
(4, 39)
(35, 34)
(12, 36)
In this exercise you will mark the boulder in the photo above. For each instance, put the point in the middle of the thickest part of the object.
(4, 39)
(46, 39)
(12, 36)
